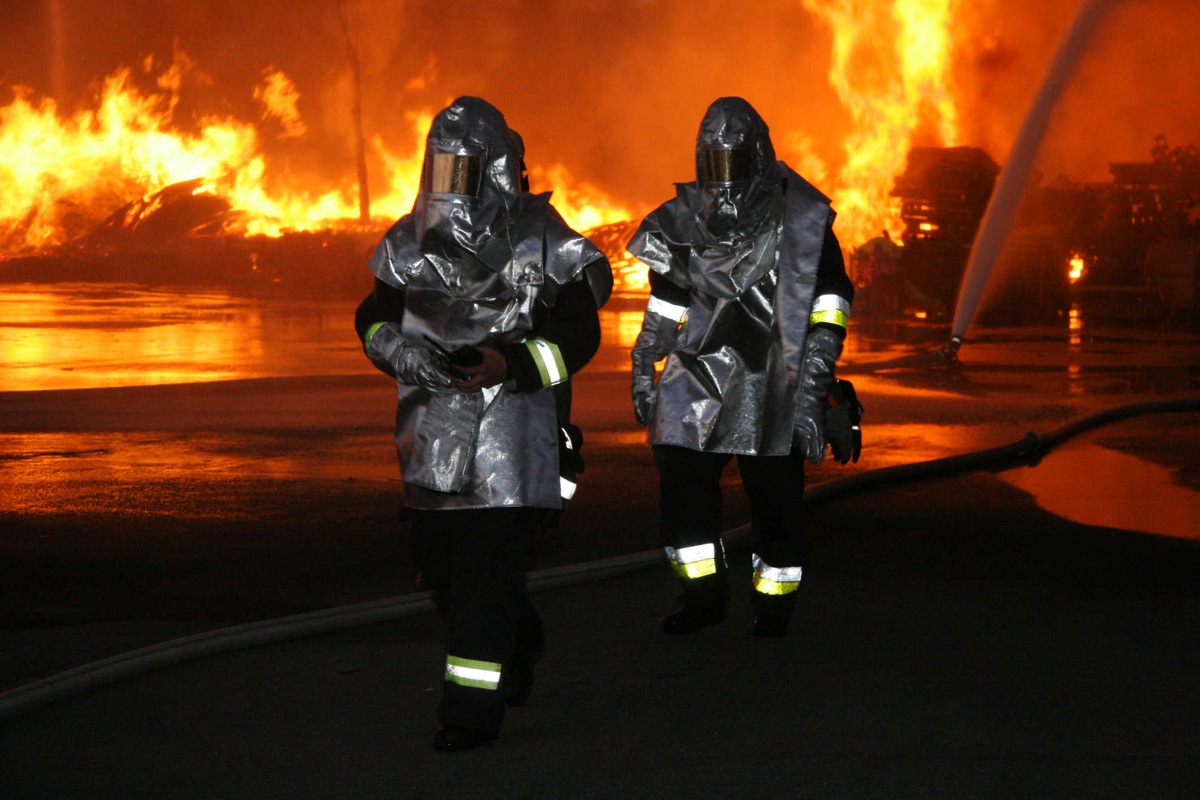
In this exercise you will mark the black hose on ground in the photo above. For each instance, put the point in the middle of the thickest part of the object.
(1027, 451)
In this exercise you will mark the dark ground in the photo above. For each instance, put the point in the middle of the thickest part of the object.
(955, 640)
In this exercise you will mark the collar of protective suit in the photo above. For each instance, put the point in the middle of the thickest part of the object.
(533, 235)
(674, 235)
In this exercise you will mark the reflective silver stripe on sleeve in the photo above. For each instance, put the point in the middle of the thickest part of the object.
(832, 309)
(566, 488)
(370, 334)
(661, 307)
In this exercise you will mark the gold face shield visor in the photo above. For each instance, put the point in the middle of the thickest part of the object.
(453, 173)
(727, 165)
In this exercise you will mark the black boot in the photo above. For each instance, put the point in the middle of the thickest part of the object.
(702, 603)
(691, 618)
(769, 625)
(772, 613)
(453, 739)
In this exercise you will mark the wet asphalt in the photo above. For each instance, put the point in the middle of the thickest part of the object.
(954, 638)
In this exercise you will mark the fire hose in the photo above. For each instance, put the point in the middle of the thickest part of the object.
(1027, 451)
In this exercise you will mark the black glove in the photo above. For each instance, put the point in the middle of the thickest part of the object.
(822, 347)
(653, 344)
(843, 413)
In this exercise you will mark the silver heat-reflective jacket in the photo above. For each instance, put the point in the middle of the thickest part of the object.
(731, 381)
(476, 269)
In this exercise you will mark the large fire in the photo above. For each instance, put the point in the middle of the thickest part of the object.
(897, 98)
(60, 173)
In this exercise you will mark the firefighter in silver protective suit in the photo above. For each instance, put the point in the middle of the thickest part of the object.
(749, 303)
(485, 303)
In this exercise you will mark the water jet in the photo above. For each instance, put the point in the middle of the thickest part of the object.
(1014, 175)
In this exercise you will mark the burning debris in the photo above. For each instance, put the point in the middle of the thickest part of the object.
(943, 194)
(178, 211)
(122, 157)
(629, 274)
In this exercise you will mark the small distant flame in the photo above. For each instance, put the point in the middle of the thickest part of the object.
(1077, 267)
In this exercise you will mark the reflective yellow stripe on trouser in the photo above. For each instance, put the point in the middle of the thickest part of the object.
(775, 580)
(471, 673)
(695, 561)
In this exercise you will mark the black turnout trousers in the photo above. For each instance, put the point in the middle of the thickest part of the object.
(691, 507)
(475, 562)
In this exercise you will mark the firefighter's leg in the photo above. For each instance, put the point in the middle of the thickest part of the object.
(488, 552)
(517, 679)
(431, 553)
(691, 520)
(775, 487)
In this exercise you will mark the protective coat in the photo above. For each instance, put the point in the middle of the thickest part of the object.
(748, 255)
(478, 270)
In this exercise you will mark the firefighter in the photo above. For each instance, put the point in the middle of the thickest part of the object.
(485, 303)
(749, 303)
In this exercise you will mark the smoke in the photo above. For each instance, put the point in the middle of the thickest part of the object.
(1133, 81)
(613, 90)
(1013, 178)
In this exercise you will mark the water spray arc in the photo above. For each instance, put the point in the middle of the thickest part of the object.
(1002, 208)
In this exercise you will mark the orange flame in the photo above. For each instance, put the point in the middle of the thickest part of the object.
(581, 204)
(890, 60)
(54, 170)
(1077, 267)
(279, 97)
(59, 174)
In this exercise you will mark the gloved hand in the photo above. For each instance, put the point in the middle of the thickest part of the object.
(842, 417)
(407, 362)
(653, 344)
(643, 396)
(822, 347)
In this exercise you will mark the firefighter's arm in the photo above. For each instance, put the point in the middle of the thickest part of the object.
(827, 321)
(377, 322)
(560, 346)
(665, 311)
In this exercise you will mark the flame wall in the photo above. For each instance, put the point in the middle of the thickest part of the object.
(610, 92)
